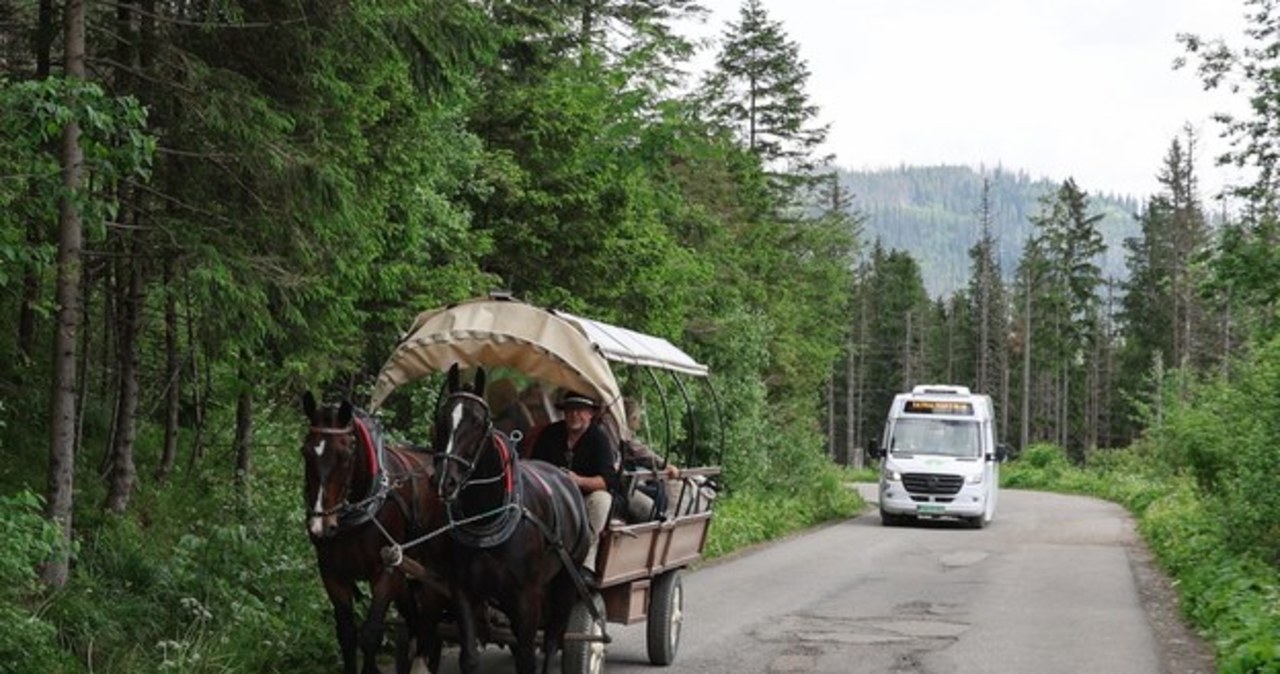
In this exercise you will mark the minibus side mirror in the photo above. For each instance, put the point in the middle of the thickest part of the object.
(1003, 452)
(873, 449)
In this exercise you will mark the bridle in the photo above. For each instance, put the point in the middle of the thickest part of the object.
(495, 525)
(378, 490)
(445, 454)
(343, 504)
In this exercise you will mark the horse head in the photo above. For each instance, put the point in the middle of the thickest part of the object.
(463, 428)
(332, 462)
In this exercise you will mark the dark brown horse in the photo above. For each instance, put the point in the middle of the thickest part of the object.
(361, 498)
(519, 529)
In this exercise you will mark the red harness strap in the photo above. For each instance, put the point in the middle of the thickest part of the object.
(508, 469)
(362, 432)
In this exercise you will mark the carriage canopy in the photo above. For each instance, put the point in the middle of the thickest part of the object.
(557, 347)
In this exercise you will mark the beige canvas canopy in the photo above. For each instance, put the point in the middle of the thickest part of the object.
(558, 348)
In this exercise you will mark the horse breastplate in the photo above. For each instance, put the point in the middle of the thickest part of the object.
(490, 528)
(366, 509)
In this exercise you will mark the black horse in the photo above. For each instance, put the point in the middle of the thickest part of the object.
(519, 529)
(361, 498)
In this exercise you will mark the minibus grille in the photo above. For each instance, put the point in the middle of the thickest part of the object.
(932, 483)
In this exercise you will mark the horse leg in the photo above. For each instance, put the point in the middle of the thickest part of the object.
(525, 622)
(563, 594)
(385, 586)
(410, 611)
(341, 595)
(465, 620)
(431, 603)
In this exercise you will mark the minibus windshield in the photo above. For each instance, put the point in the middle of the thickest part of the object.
(947, 437)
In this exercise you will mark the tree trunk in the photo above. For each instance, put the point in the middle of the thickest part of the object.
(1005, 372)
(831, 416)
(62, 447)
(857, 375)
(853, 453)
(906, 356)
(1064, 410)
(1026, 365)
(244, 438)
(197, 442)
(173, 377)
(123, 473)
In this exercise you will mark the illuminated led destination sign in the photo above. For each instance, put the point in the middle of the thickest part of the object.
(963, 408)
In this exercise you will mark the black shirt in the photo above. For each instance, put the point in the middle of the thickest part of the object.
(591, 457)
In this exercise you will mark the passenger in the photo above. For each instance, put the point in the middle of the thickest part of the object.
(509, 414)
(581, 446)
(534, 399)
(646, 500)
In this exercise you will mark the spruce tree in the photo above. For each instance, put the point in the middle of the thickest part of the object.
(757, 92)
(1163, 314)
(1069, 237)
(986, 297)
(1247, 259)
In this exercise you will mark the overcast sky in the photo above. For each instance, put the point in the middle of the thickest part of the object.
(1056, 88)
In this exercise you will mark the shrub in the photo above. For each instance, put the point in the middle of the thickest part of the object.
(1040, 466)
(746, 518)
(27, 540)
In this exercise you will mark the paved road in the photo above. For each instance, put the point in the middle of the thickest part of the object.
(1048, 587)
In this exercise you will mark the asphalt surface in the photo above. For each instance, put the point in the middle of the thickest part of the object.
(1055, 584)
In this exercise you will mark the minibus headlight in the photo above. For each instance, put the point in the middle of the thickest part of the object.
(976, 478)
(890, 474)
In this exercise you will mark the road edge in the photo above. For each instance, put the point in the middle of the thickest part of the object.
(1181, 649)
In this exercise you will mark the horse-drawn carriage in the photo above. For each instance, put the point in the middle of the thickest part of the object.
(487, 493)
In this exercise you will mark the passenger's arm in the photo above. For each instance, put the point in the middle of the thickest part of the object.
(587, 484)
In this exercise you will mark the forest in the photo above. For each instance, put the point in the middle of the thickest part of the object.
(930, 212)
(209, 208)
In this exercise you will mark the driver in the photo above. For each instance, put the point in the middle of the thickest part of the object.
(579, 445)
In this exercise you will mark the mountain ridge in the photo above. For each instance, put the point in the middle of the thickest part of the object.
(932, 212)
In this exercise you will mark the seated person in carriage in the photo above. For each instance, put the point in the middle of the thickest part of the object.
(509, 414)
(582, 447)
(647, 498)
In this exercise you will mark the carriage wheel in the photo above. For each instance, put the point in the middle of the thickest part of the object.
(666, 615)
(584, 657)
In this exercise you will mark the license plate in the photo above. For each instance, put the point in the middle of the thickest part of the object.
(931, 509)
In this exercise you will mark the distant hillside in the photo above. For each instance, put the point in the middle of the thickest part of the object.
(932, 213)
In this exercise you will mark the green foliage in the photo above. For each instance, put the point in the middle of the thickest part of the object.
(1040, 465)
(757, 93)
(892, 308)
(203, 587)
(1244, 266)
(315, 191)
(1236, 598)
(746, 518)
(33, 114)
(1223, 434)
(26, 540)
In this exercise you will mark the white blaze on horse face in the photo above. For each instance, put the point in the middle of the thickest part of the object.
(314, 523)
(455, 420)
